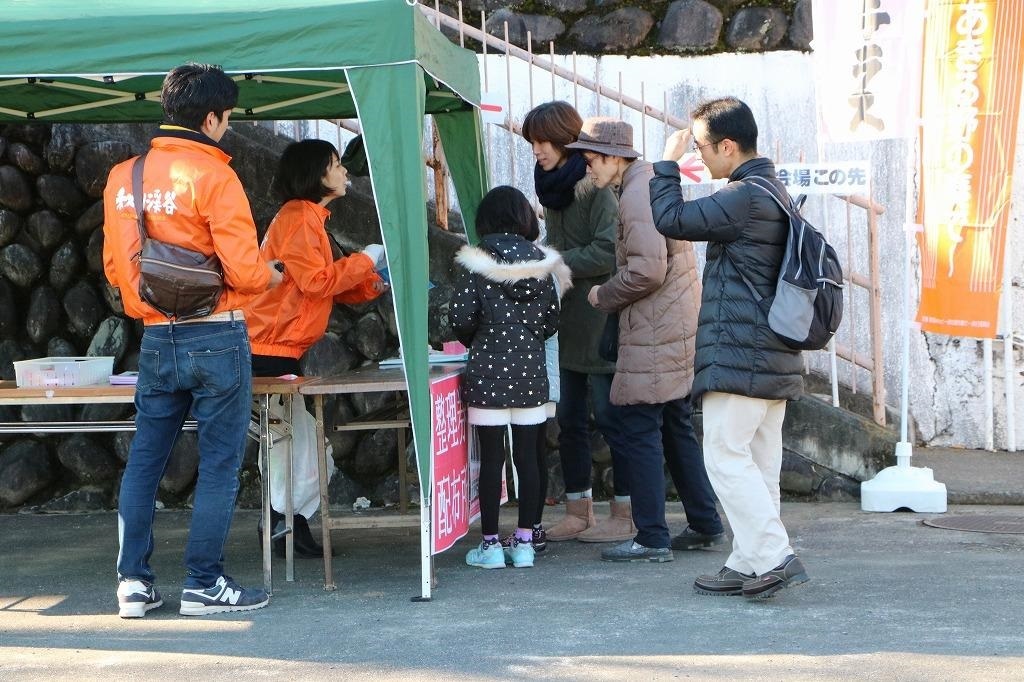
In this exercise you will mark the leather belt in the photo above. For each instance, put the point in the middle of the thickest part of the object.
(226, 316)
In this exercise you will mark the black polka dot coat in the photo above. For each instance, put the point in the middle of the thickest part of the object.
(504, 306)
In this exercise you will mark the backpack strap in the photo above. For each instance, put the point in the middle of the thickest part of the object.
(140, 214)
(788, 207)
(767, 186)
(750, 285)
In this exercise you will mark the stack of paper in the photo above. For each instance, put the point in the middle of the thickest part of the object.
(433, 358)
(124, 379)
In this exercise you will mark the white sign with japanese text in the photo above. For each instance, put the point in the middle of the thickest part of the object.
(492, 107)
(839, 177)
(867, 67)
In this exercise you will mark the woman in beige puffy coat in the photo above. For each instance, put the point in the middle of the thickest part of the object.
(656, 292)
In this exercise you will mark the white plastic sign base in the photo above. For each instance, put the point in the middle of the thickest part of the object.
(900, 487)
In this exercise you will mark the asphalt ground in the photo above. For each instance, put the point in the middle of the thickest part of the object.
(889, 598)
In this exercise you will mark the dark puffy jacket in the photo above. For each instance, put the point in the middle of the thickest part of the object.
(746, 231)
(503, 308)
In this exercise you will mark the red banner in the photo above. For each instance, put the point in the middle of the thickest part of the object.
(450, 476)
(973, 59)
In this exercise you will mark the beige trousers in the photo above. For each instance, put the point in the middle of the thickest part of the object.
(743, 456)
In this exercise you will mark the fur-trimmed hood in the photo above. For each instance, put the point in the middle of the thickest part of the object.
(519, 266)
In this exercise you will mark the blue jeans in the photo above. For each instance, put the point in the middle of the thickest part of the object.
(574, 430)
(205, 368)
(663, 434)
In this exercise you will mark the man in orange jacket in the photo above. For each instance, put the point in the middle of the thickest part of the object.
(202, 365)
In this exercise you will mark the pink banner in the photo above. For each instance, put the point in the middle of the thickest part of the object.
(450, 475)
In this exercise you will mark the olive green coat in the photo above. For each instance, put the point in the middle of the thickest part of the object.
(584, 233)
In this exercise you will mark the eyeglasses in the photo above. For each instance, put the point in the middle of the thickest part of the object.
(698, 147)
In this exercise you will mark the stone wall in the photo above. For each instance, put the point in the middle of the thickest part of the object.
(55, 301)
(645, 27)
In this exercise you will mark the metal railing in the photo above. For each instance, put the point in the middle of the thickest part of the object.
(867, 357)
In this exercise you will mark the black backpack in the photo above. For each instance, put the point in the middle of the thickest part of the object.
(808, 303)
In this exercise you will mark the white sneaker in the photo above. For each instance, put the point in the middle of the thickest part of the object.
(135, 597)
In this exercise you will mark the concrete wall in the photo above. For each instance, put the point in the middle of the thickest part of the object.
(946, 389)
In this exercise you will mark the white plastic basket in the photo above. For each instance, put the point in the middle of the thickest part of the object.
(63, 371)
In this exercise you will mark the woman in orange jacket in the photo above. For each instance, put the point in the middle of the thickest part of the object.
(284, 322)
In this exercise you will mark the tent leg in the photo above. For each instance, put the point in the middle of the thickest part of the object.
(426, 559)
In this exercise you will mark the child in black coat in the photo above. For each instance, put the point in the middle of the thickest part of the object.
(504, 307)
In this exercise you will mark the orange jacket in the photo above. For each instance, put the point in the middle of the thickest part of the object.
(287, 320)
(193, 199)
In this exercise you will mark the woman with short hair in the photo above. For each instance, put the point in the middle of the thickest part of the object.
(284, 322)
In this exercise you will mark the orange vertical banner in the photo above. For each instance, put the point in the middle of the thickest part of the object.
(971, 82)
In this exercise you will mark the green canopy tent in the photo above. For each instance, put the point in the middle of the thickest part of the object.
(103, 61)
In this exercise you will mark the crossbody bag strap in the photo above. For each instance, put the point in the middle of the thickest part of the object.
(140, 214)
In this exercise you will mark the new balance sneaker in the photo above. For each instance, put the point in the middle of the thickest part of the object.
(486, 555)
(727, 582)
(135, 597)
(630, 550)
(225, 595)
(520, 554)
(540, 540)
(789, 573)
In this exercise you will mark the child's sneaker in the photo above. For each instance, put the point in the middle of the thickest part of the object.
(486, 555)
(520, 554)
(135, 597)
(540, 540)
(225, 595)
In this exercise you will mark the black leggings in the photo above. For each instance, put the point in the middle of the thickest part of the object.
(542, 470)
(492, 463)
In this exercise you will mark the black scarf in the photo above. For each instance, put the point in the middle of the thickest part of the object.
(556, 188)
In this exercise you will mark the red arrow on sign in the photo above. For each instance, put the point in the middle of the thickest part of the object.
(691, 167)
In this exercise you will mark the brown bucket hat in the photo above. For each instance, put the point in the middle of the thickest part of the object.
(608, 136)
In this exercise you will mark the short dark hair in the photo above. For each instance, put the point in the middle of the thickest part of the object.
(555, 122)
(507, 210)
(191, 91)
(301, 169)
(728, 117)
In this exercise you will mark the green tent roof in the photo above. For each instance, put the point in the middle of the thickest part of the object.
(104, 60)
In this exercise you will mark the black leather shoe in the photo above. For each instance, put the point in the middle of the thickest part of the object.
(727, 582)
(305, 545)
(277, 525)
(789, 573)
(691, 539)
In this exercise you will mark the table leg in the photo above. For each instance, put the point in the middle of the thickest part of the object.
(268, 581)
(289, 504)
(403, 474)
(325, 508)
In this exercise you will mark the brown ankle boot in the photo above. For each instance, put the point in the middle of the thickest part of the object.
(579, 516)
(618, 527)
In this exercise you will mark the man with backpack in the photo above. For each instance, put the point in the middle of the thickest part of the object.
(744, 373)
